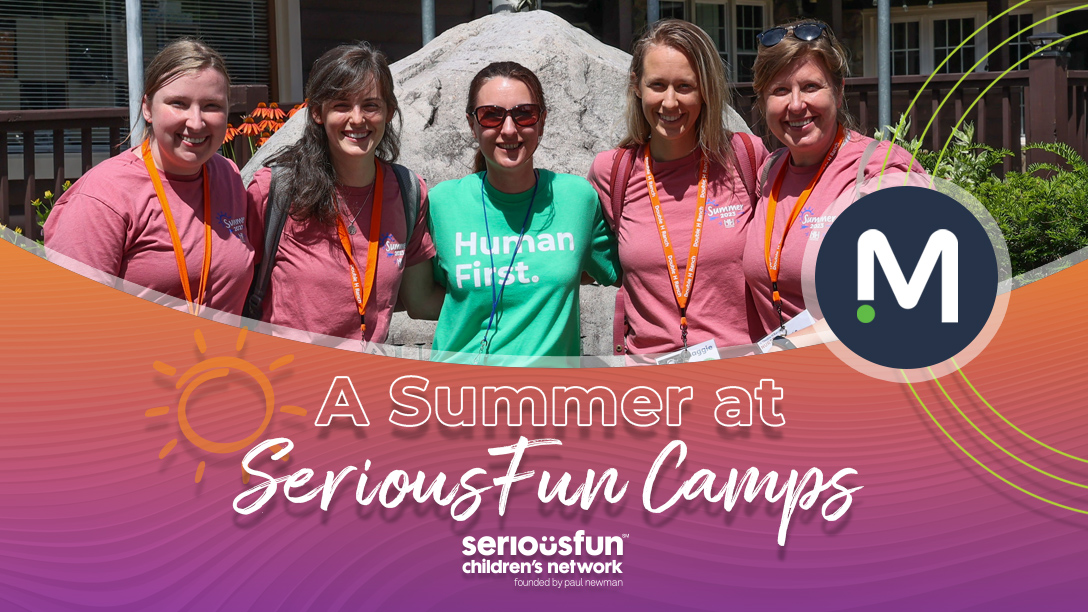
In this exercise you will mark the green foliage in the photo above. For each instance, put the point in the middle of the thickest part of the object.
(44, 205)
(1042, 212)
(964, 162)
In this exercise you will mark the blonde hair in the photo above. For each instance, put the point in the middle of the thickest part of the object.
(182, 56)
(689, 39)
(772, 60)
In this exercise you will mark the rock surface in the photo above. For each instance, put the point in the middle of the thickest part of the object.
(585, 90)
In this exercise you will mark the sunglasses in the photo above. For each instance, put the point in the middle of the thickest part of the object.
(807, 32)
(524, 115)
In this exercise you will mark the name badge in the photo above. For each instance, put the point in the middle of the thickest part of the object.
(704, 351)
(801, 321)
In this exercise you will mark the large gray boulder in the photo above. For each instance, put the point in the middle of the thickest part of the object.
(584, 83)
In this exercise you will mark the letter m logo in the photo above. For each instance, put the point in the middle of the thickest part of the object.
(873, 245)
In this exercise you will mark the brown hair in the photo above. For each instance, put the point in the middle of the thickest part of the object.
(504, 70)
(182, 56)
(827, 49)
(693, 42)
(341, 72)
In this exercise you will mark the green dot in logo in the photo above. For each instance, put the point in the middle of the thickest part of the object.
(866, 314)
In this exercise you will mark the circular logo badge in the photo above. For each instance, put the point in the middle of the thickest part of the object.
(907, 277)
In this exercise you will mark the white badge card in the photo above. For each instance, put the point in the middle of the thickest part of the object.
(704, 351)
(801, 321)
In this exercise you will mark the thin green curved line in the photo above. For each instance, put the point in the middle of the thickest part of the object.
(887, 155)
(994, 82)
(1010, 423)
(991, 441)
(979, 63)
(981, 464)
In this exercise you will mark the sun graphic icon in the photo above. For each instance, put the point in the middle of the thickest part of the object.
(211, 369)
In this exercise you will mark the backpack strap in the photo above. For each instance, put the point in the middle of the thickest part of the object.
(747, 168)
(771, 161)
(625, 156)
(279, 205)
(864, 161)
(410, 196)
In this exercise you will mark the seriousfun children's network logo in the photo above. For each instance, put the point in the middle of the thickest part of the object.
(213, 368)
(912, 295)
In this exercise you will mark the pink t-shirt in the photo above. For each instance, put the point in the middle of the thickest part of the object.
(111, 220)
(839, 178)
(311, 286)
(718, 308)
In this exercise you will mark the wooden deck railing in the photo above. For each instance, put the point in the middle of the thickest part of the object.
(28, 124)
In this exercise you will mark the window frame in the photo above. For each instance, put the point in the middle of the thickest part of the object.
(926, 17)
(732, 53)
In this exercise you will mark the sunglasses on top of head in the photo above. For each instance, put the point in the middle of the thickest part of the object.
(807, 32)
(525, 115)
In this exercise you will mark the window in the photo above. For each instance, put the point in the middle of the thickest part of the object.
(711, 18)
(749, 24)
(1019, 48)
(947, 35)
(671, 10)
(72, 53)
(923, 37)
(906, 48)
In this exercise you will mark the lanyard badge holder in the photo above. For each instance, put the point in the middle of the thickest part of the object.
(681, 291)
(193, 304)
(363, 285)
(496, 296)
(774, 259)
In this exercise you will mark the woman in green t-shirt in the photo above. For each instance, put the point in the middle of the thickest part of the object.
(513, 241)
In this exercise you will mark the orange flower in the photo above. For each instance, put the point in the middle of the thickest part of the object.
(270, 125)
(261, 112)
(264, 138)
(249, 127)
(275, 113)
(298, 107)
(231, 133)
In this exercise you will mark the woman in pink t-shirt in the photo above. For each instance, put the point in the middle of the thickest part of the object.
(703, 184)
(799, 81)
(168, 215)
(346, 252)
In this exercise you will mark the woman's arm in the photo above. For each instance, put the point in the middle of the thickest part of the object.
(421, 295)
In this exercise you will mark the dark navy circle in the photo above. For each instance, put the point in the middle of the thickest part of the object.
(909, 220)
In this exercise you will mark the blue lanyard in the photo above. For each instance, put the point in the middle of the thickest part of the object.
(496, 296)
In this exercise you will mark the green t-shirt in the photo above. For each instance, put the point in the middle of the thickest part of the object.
(537, 314)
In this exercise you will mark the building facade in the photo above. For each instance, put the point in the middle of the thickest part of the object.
(72, 53)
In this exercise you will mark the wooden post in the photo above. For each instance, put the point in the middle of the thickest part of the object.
(997, 32)
(627, 28)
(86, 160)
(30, 183)
(1047, 109)
(5, 205)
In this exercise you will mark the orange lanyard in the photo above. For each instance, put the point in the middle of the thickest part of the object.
(772, 204)
(361, 288)
(179, 254)
(682, 293)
